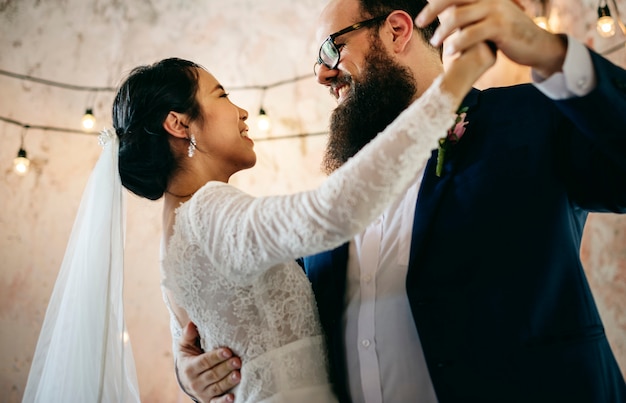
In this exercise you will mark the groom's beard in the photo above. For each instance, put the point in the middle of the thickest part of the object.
(385, 89)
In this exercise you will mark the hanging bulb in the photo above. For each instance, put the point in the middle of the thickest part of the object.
(605, 24)
(21, 163)
(542, 21)
(89, 120)
(263, 121)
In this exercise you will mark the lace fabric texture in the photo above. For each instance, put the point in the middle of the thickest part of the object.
(230, 263)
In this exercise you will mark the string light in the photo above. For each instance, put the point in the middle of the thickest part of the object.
(21, 163)
(605, 24)
(88, 120)
(93, 133)
(263, 121)
(262, 114)
(113, 89)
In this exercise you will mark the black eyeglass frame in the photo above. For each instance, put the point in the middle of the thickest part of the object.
(331, 40)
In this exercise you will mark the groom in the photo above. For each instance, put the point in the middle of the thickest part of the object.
(470, 288)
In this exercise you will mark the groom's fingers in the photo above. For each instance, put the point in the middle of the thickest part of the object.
(207, 376)
(434, 8)
(461, 20)
(219, 371)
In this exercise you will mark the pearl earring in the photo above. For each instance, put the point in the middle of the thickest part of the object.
(192, 146)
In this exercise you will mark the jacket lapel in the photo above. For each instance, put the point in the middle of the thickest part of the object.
(433, 186)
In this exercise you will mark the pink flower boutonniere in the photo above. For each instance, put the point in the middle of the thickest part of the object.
(454, 135)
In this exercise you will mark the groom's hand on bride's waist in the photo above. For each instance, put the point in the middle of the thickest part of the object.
(205, 376)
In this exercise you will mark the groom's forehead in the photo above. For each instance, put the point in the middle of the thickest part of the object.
(337, 15)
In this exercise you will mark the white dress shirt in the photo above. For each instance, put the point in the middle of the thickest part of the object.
(384, 355)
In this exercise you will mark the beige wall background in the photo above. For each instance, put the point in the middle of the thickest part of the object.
(243, 43)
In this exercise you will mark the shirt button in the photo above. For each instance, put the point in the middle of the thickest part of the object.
(367, 278)
(365, 343)
(582, 83)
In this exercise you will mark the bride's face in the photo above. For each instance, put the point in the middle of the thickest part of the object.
(222, 133)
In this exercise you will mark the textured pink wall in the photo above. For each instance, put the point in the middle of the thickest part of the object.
(604, 255)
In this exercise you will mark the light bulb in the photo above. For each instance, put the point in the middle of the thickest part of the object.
(606, 27)
(21, 163)
(263, 122)
(542, 22)
(605, 24)
(89, 120)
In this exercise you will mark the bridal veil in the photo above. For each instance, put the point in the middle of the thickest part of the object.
(83, 353)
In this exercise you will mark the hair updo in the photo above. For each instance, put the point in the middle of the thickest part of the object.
(141, 105)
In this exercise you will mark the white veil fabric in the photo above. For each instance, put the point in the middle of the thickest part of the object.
(83, 353)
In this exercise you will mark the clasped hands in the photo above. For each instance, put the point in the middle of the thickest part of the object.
(502, 23)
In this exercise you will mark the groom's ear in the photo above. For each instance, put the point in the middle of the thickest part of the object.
(399, 26)
(174, 125)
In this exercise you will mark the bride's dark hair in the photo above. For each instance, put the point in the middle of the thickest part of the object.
(141, 105)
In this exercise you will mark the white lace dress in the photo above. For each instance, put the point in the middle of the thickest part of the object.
(230, 262)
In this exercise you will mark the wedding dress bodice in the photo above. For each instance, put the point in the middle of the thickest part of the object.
(230, 261)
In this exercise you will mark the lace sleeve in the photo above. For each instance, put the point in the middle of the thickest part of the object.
(240, 233)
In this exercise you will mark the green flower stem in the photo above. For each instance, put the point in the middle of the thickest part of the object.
(441, 154)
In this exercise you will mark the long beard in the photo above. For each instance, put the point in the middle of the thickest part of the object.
(385, 89)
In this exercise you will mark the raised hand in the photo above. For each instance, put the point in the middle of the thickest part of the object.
(466, 68)
(500, 22)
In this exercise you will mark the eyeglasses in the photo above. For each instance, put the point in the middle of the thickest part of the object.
(329, 52)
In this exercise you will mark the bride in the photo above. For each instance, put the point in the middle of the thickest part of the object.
(227, 257)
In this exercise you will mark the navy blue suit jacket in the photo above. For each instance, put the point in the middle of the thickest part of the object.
(495, 282)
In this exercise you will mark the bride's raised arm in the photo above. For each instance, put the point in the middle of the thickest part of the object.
(240, 232)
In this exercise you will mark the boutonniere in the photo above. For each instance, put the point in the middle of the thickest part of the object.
(454, 135)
